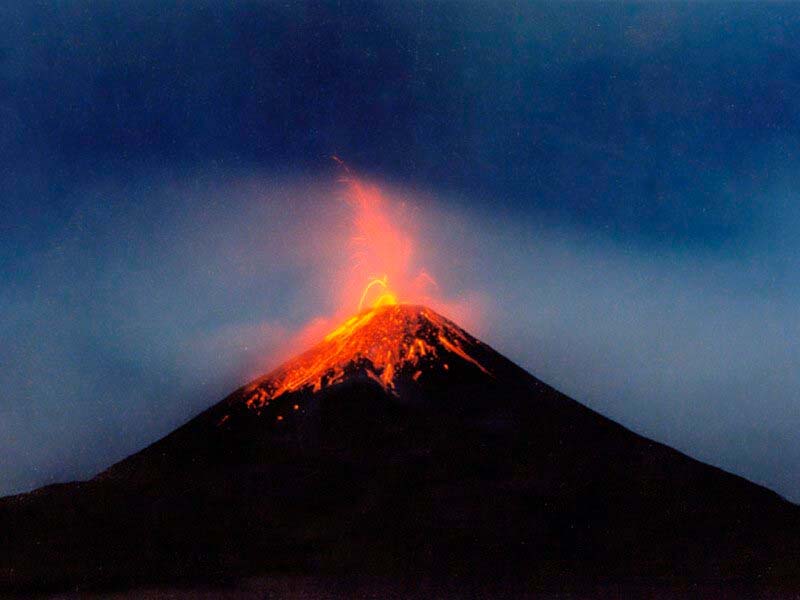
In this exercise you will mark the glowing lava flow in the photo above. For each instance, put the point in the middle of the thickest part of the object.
(382, 343)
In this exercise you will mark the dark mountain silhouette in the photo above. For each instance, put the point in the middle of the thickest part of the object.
(403, 448)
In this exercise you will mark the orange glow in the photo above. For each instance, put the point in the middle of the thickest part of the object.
(382, 269)
(457, 350)
(385, 298)
(390, 342)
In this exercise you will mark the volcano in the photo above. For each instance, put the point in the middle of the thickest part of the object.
(402, 448)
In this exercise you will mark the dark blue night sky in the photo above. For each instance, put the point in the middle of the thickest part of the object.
(615, 185)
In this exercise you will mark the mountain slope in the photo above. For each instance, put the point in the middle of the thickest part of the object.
(402, 446)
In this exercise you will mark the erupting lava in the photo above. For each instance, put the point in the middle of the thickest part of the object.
(391, 338)
(387, 344)
(386, 298)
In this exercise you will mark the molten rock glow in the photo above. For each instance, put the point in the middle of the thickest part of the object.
(385, 298)
(383, 343)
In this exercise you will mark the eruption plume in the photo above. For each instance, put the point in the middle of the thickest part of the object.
(382, 251)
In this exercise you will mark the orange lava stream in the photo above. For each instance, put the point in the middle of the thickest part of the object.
(383, 342)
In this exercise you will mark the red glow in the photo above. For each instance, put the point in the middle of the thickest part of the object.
(383, 252)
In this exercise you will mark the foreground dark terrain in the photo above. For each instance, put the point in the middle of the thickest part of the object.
(402, 455)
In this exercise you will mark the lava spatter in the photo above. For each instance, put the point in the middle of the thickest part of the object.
(384, 342)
